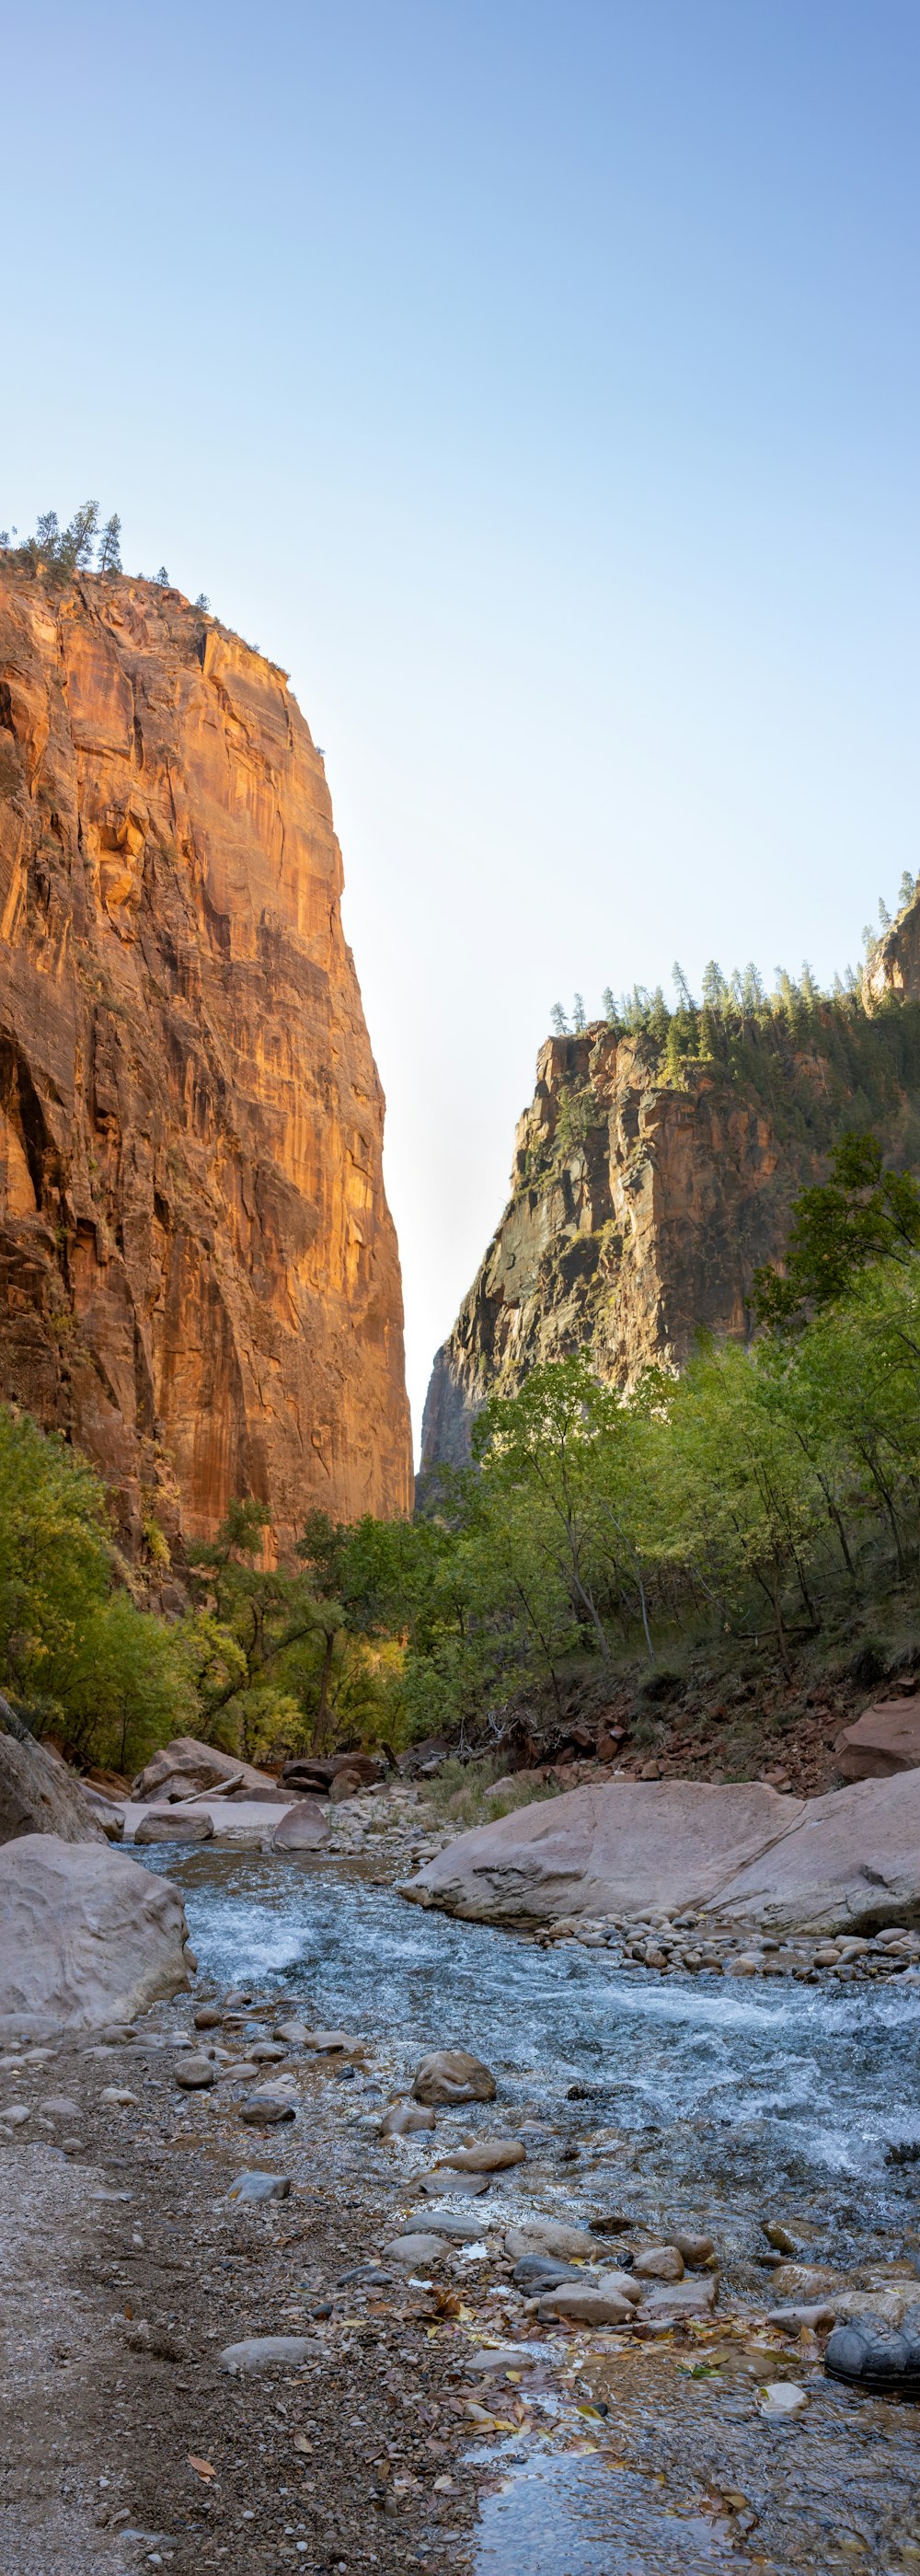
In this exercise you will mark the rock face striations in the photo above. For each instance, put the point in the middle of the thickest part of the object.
(199, 1278)
(640, 1206)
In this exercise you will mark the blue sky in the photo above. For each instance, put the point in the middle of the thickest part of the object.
(540, 386)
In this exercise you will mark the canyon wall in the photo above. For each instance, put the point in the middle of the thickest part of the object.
(640, 1206)
(199, 1278)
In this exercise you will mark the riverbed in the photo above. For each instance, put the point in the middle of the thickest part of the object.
(692, 2102)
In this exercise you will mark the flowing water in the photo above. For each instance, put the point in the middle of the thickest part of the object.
(699, 2100)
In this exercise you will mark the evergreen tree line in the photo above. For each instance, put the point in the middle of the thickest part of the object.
(799, 1004)
(765, 1495)
(86, 544)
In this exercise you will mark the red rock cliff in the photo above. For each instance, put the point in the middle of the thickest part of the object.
(199, 1278)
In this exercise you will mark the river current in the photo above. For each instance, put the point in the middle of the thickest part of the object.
(703, 2101)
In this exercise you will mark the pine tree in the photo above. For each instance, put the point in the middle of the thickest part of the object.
(609, 1004)
(715, 989)
(163, 577)
(558, 1022)
(75, 550)
(682, 988)
(907, 891)
(884, 914)
(109, 557)
(579, 1016)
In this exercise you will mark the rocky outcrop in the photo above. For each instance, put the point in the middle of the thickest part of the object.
(199, 1278)
(184, 1765)
(86, 1936)
(745, 1853)
(38, 1795)
(641, 1204)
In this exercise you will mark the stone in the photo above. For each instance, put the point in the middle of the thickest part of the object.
(588, 2306)
(174, 1825)
(538, 2272)
(694, 2249)
(86, 1935)
(404, 2119)
(416, 2253)
(38, 1795)
(745, 1851)
(195, 2074)
(267, 2052)
(330, 2043)
(267, 2110)
(186, 1765)
(451, 2075)
(810, 2318)
(504, 2356)
(779, 2237)
(261, 2353)
(548, 2236)
(191, 898)
(303, 1827)
(14, 2114)
(873, 2355)
(294, 2033)
(208, 2017)
(492, 2155)
(659, 2263)
(57, 2106)
(680, 2299)
(260, 2186)
(782, 2399)
(884, 1740)
(451, 2223)
(316, 1772)
(466, 2186)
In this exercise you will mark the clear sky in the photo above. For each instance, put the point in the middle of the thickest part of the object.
(539, 384)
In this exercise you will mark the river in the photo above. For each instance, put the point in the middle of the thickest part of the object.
(702, 2101)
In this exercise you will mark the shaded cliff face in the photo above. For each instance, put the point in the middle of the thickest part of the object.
(199, 1278)
(640, 1210)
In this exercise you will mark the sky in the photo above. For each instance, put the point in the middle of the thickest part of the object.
(539, 385)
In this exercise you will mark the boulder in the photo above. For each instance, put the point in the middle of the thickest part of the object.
(105, 1812)
(548, 2236)
(303, 1827)
(267, 2353)
(491, 2155)
(680, 2299)
(174, 1825)
(416, 2253)
(452, 2075)
(38, 1795)
(258, 2186)
(305, 1771)
(186, 1764)
(404, 2119)
(87, 1936)
(745, 1852)
(590, 2305)
(885, 1739)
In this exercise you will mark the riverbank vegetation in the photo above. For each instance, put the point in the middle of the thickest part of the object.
(764, 1501)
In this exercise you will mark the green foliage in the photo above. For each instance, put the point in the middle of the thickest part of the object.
(863, 1214)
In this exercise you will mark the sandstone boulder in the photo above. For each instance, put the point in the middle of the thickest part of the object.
(87, 1935)
(885, 1739)
(745, 1852)
(38, 1795)
(303, 1827)
(174, 1825)
(186, 1764)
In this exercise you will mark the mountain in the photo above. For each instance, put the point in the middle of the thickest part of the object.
(199, 1278)
(655, 1169)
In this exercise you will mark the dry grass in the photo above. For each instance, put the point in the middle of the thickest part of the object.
(467, 1793)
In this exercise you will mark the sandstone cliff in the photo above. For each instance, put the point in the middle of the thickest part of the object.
(640, 1205)
(199, 1278)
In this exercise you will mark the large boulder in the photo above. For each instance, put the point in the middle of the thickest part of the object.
(38, 1795)
(175, 1825)
(851, 1858)
(302, 1828)
(885, 1739)
(185, 1765)
(87, 1935)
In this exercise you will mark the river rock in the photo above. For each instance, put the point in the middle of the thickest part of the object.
(266, 2110)
(267, 2352)
(330, 2043)
(640, 1847)
(294, 2033)
(260, 2186)
(680, 2299)
(875, 2356)
(451, 2075)
(452, 2223)
(491, 2155)
(403, 2119)
(58, 2106)
(549, 2236)
(782, 2399)
(538, 2272)
(38, 1795)
(694, 2249)
(884, 1740)
(503, 2356)
(267, 2052)
(174, 1825)
(416, 2253)
(792, 2320)
(208, 2017)
(466, 2186)
(588, 2306)
(303, 1827)
(87, 1936)
(659, 2263)
(195, 2074)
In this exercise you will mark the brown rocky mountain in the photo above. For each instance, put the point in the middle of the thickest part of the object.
(643, 1199)
(199, 1278)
